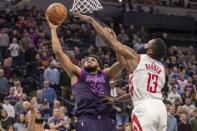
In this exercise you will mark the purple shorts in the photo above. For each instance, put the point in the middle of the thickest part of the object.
(95, 124)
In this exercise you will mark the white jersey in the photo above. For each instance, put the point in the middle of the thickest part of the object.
(147, 80)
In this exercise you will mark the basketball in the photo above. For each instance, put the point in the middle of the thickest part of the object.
(57, 13)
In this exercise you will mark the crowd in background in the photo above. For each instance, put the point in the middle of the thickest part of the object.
(29, 69)
(176, 3)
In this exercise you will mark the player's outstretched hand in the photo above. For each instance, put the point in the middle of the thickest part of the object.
(108, 100)
(85, 18)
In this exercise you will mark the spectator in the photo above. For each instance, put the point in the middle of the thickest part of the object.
(123, 36)
(25, 41)
(138, 45)
(130, 33)
(5, 120)
(63, 111)
(13, 99)
(171, 120)
(52, 75)
(26, 107)
(49, 93)
(45, 60)
(18, 90)
(193, 121)
(20, 125)
(173, 62)
(168, 107)
(30, 53)
(10, 128)
(56, 104)
(123, 110)
(188, 106)
(8, 107)
(187, 94)
(14, 50)
(57, 122)
(179, 111)
(171, 83)
(173, 95)
(4, 86)
(4, 40)
(42, 105)
(191, 114)
(8, 69)
(19, 104)
(175, 74)
(184, 125)
(190, 86)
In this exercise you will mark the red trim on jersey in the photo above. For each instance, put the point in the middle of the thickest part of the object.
(138, 58)
(131, 88)
(136, 124)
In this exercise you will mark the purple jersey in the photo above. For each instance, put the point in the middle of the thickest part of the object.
(87, 93)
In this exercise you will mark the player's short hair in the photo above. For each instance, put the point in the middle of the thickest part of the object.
(159, 48)
(98, 59)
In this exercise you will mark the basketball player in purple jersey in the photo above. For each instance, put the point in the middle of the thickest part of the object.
(88, 84)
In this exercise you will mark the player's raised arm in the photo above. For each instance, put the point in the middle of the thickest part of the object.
(31, 125)
(67, 64)
(116, 68)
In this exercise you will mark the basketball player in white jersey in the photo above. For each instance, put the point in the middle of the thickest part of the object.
(146, 79)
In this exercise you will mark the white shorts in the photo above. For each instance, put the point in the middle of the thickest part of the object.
(149, 115)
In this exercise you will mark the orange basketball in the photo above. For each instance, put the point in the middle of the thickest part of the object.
(57, 13)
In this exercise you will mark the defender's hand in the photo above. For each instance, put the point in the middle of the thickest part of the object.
(108, 100)
(82, 17)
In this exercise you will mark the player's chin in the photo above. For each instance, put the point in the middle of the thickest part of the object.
(89, 65)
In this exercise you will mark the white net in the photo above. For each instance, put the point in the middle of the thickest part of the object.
(86, 6)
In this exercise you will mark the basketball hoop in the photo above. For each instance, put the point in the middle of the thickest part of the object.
(86, 6)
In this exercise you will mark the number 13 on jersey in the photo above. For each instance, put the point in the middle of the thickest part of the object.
(152, 83)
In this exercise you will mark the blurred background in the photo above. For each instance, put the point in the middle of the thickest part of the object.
(28, 66)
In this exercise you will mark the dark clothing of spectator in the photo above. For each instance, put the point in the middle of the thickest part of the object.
(4, 88)
(8, 72)
(184, 127)
(193, 123)
(9, 121)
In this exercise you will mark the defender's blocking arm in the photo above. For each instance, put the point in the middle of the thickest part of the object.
(108, 37)
(128, 53)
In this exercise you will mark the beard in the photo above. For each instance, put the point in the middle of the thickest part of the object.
(90, 69)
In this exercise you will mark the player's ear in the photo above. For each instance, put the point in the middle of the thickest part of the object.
(149, 52)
